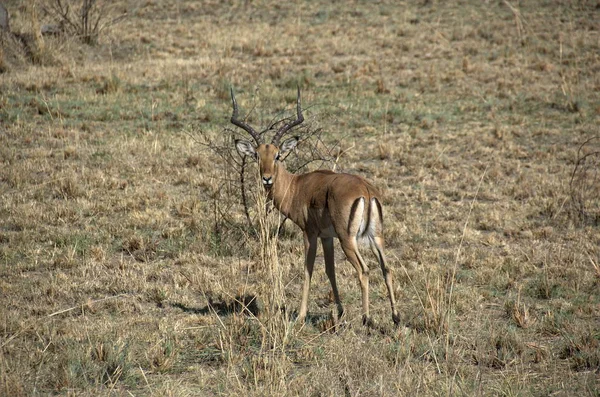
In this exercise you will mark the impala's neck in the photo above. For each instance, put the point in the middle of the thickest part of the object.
(283, 190)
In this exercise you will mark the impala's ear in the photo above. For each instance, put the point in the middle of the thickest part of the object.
(245, 148)
(288, 144)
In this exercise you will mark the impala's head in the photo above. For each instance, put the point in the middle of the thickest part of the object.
(268, 155)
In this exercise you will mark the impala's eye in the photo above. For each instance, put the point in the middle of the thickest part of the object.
(277, 156)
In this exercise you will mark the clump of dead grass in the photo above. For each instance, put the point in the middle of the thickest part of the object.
(268, 332)
(519, 312)
(583, 350)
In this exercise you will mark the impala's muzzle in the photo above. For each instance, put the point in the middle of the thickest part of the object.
(267, 181)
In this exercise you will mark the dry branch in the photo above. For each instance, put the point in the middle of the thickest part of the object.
(585, 182)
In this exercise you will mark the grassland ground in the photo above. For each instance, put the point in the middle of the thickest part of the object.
(126, 263)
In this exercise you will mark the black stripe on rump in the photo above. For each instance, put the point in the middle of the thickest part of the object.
(379, 209)
(353, 212)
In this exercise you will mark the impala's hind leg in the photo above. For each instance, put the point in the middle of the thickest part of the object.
(350, 248)
(329, 255)
(377, 248)
(348, 234)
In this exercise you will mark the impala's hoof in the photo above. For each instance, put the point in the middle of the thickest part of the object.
(300, 320)
(340, 312)
(396, 319)
(368, 322)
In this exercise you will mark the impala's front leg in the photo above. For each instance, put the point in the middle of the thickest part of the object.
(310, 252)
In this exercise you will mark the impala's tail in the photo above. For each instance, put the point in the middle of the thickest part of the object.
(365, 224)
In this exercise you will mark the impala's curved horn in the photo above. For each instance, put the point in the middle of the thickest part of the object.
(237, 122)
(286, 127)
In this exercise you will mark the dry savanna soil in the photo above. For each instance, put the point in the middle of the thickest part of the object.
(127, 264)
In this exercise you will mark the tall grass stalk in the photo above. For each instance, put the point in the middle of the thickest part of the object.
(276, 322)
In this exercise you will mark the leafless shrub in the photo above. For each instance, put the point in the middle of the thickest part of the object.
(237, 171)
(85, 19)
(585, 183)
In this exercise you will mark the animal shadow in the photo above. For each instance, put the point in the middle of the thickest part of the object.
(242, 304)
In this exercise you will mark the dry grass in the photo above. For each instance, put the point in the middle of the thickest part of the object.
(127, 268)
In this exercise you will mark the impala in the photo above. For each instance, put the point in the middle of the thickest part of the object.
(325, 205)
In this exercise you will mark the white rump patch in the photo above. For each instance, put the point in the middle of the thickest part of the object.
(359, 216)
(367, 230)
